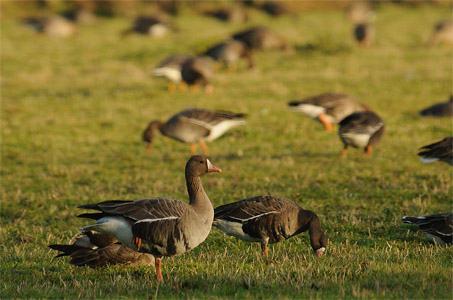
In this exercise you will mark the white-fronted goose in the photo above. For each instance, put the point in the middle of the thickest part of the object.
(155, 26)
(361, 130)
(329, 108)
(269, 220)
(442, 33)
(229, 53)
(198, 71)
(364, 34)
(99, 250)
(439, 151)
(55, 26)
(439, 110)
(170, 68)
(438, 227)
(262, 38)
(160, 226)
(194, 125)
(232, 14)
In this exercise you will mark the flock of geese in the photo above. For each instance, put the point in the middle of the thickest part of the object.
(143, 231)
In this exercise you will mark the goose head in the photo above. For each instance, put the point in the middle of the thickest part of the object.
(148, 133)
(319, 243)
(199, 165)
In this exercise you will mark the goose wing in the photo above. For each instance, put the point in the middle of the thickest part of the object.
(361, 123)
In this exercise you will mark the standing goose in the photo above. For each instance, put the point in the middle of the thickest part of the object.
(262, 38)
(269, 220)
(364, 34)
(329, 108)
(99, 250)
(361, 130)
(194, 125)
(198, 70)
(439, 151)
(229, 53)
(170, 68)
(439, 110)
(160, 226)
(438, 227)
(442, 33)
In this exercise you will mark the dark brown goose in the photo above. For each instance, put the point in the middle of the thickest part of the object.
(262, 38)
(442, 33)
(170, 68)
(269, 220)
(439, 110)
(230, 52)
(54, 26)
(155, 26)
(194, 125)
(160, 226)
(438, 227)
(198, 71)
(361, 130)
(98, 250)
(328, 108)
(364, 34)
(439, 151)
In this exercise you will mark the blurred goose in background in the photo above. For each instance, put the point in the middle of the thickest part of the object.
(262, 38)
(194, 125)
(439, 151)
(359, 12)
(198, 71)
(54, 26)
(361, 130)
(442, 109)
(232, 14)
(364, 34)
(170, 68)
(442, 33)
(79, 15)
(155, 26)
(329, 108)
(274, 8)
(230, 52)
(159, 226)
(97, 250)
(269, 220)
(438, 227)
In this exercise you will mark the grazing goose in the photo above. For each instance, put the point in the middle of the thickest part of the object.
(229, 53)
(439, 151)
(274, 8)
(364, 34)
(232, 15)
(438, 227)
(55, 26)
(328, 108)
(99, 250)
(269, 220)
(359, 12)
(160, 226)
(155, 26)
(198, 70)
(194, 125)
(439, 110)
(262, 38)
(361, 130)
(170, 68)
(442, 33)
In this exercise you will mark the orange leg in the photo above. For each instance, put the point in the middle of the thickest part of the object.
(159, 276)
(137, 242)
(264, 247)
(148, 147)
(205, 148)
(194, 88)
(327, 125)
(193, 148)
(209, 89)
(182, 86)
(344, 153)
(368, 150)
(172, 86)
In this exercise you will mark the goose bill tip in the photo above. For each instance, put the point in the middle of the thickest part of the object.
(320, 251)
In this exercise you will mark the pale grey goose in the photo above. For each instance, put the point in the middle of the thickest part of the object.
(97, 250)
(328, 108)
(439, 151)
(269, 220)
(361, 130)
(193, 126)
(160, 226)
(438, 227)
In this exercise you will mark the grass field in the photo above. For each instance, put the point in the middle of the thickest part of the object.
(72, 113)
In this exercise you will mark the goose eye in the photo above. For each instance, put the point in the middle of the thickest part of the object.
(201, 161)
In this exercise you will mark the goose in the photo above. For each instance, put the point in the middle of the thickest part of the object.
(232, 15)
(229, 52)
(97, 250)
(194, 125)
(54, 26)
(361, 130)
(359, 12)
(329, 108)
(262, 38)
(439, 151)
(155, 26)
(274, 8)
(159, 226)
(438, 227)
(442, 33)
(170, 68)
(439, 110)
(269, 219)
(364, 34)
(198, 70)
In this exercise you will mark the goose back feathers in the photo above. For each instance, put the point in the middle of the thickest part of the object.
(439, 110)
(439, 151)
(262, 38)
(438, 227)
(229, 53)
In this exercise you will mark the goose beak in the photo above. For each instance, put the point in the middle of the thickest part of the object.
(212, 168)
(320, 251)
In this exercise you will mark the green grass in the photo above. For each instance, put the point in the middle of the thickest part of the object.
(73, 111)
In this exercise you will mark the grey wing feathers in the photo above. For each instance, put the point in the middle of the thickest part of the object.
(361, 122)
(440, 150)
(210, 116)
(436, 224)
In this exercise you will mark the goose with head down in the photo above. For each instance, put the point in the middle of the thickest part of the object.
(171, 68)
(437, 227)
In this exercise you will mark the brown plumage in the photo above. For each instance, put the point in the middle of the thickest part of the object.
(230, 52)
(442, 33)
(439, 151)
(262, 38)
(54, 26)
(156, 26)
(198, 71)
(437, 227)
(269, 220)
(232, 15)
(439, 110)
(364, 34)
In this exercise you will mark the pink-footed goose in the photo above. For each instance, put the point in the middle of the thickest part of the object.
(438, 227)
(98, 250)
(361, 130)
(269, 220)
(194, 125)
(329, 108)
(439, 151)
(160, 226)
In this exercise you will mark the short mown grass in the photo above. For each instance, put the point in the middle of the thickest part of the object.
(73, 111)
